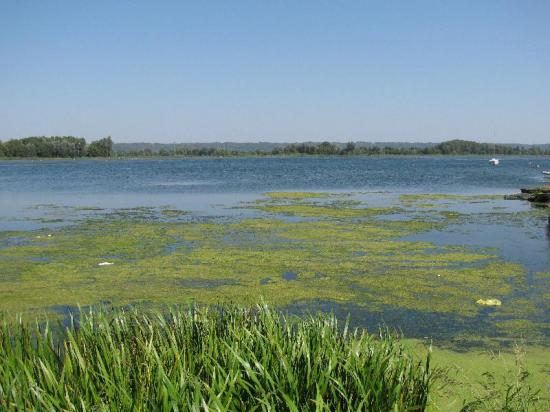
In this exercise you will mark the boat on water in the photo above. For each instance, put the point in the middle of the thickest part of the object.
(494, 161)
(546, 172)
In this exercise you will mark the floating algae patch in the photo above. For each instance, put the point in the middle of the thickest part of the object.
(301, 204)
(342, 254)
(450, 214)
(297, 195)
(322, 211)
(453, 205)
(198, 283)
(542, 283)
(142, 213)
(65, 214)
(173, 213)
(422, 197)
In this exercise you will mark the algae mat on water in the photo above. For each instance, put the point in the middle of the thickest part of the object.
(307, 247)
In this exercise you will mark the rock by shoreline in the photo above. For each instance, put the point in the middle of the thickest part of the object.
(539, 195)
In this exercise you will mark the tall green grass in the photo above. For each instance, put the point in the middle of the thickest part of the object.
(206, 359)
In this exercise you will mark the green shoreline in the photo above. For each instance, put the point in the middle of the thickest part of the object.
(254, 155)
(70, 146)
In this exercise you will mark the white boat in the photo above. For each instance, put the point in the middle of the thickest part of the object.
(546, 172)
(494, 161)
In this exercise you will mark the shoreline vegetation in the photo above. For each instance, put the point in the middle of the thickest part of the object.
(227, 358)
(73, 147)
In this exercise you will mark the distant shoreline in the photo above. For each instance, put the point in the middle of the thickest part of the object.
(268, 155)
(44, 147)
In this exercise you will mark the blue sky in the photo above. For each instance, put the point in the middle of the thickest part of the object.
(276, 70)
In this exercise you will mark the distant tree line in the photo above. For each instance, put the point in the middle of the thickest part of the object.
(73, 147)
(468, 147)
(56, 146)
(451, 147)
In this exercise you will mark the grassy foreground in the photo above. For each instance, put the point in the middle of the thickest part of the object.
(200, 359)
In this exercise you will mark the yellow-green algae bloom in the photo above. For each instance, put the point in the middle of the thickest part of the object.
(335, 251)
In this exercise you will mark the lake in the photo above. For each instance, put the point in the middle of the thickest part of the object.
(188, 212)
(202, 182)
(154, 177)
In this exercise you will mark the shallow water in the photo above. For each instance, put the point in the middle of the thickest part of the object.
(52, 194)
(212, 186)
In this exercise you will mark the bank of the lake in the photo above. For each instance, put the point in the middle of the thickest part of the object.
(418, 258)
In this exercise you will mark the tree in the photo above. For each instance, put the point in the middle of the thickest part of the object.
(349, 148)
(327, 148)
(101, 148)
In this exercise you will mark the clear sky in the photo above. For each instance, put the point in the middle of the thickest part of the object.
(165, 71)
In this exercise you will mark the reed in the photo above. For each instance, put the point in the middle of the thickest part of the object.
(226, 358)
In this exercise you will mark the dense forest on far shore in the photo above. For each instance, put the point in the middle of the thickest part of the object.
(73, 147)
(56, 146)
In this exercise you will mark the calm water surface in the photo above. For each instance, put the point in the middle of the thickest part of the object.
(197, 184)
(62, 179)
(213, 187)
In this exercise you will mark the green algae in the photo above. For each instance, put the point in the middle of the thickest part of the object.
(542, 283)
(297, 195)
(88, 208)
(173, 213)
(465, 373)
(417, 197)
(323, 211)
(450, 215)
(342, 253)
(438, 201)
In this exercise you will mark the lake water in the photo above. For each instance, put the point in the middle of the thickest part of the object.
(213, 186)
(38, 194)
(200, 183)
(88, 178)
